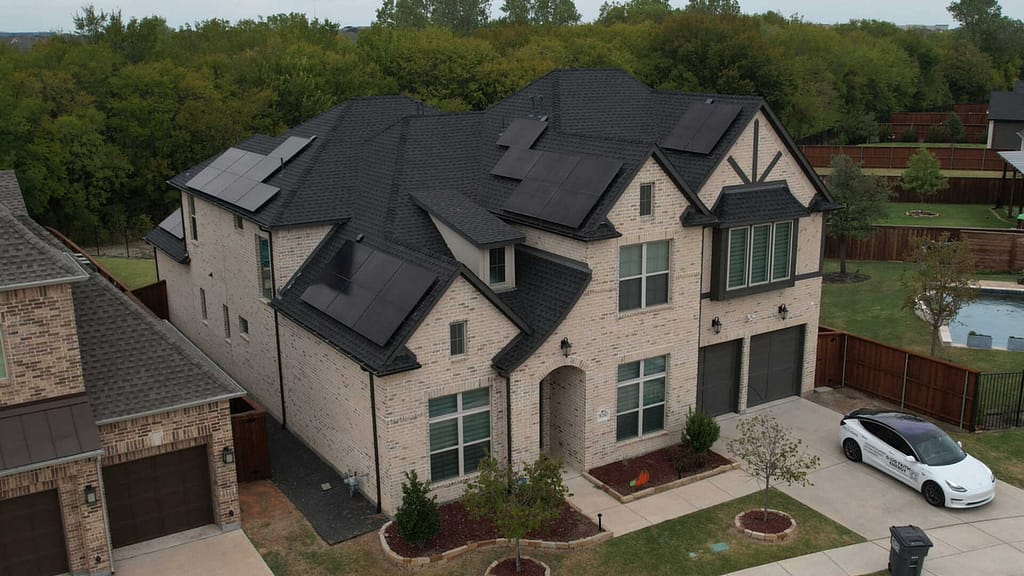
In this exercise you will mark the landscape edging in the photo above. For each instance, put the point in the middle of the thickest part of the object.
(661, 488)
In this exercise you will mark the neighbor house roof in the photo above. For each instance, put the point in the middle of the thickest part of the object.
(169, 236)
(1006, 106)
(25, 259)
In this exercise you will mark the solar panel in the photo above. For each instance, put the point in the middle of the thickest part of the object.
(380, 320)
(255, 199)
(568, 208)
(377, 270)
(592, 175)
(522, 133)
(552, 167)
(714, 128)
(349, 305)
(219, 183)
(237, 189)
(516, 163)
(174, 225)
(688, 125)
(203, 178)
(227, 158)
(264, 169)
(349, 258)
(244, 163)
(530, 197)
(319, 295)
(289, 148)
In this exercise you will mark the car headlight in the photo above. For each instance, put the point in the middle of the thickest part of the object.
(955, 487)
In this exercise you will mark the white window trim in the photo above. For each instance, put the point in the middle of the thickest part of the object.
(644, 275)
(640, 399)
(460, 446)
(749, 254)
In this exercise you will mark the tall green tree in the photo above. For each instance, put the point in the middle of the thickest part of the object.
(714, 6)
(863, 198)
(404, 13)
(459, 16)
(633, 11)
(941, 284)
(923, 175)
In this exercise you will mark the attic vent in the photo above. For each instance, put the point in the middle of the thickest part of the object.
(359, 237)
(83, 261)
(537, 108)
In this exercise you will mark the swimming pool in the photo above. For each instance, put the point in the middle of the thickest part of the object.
(997, 315)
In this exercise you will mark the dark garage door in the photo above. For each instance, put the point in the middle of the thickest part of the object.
(775, 365)
(156, 496)
(718, 377)
(32, 536)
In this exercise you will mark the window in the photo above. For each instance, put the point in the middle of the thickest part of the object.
(496, 265)
(643, 275)
(460, 433)
(227, 321)
(202, 303)
(192, 217)
(266, 276)
(243, 325)
(239, 222)
(640, 403)
(457, 338)
(646, 199)
(3, 359)
(759, 254)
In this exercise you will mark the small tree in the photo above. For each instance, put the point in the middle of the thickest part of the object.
(955, 128)
(517, 502)
(863, 198)
(769, 453)
(942, 283)
(923, 175)
(417, 519)
(701, 432)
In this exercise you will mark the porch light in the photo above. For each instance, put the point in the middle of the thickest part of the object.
(716, 325)
(783, 311)
(90, 494)
(566, 347)
(227, 455)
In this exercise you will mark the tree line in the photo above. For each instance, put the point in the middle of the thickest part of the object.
(95, 122)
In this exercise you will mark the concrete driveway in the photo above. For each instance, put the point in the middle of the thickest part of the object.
(987, 540)
(205, 550)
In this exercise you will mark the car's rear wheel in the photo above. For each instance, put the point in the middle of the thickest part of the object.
(851, 449)
(933, 494)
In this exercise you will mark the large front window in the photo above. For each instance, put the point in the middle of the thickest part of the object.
(266, 275)
(759, 254)
(460, 433)
(643, 275)
(640, 404)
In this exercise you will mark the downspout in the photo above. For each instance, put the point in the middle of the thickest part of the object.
(156, 264)
(376, 449)
(508, 417)
(277, 331)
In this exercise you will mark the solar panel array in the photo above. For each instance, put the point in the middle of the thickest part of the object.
(237, 176)
(174, 225)
(701, 127)
(522, 133)
(368, 290)
(562, 188)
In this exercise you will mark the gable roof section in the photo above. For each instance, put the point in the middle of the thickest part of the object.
(10, 193)
(753, 203)
(25, 260)
(467, 218)
(169, 237)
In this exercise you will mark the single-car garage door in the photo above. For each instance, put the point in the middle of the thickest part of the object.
(718, 377)
(156, 496)
(32, 536)
(776, 362)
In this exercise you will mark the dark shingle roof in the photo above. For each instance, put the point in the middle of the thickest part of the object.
(751, 203)
(134, 363)
(1006, 106)
(467, 218)
(26, 260)
(168, 242)
(10, 193)
(547, 288)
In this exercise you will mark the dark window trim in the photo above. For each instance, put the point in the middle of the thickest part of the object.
(649, 205)
(463, 337)
(720, 264)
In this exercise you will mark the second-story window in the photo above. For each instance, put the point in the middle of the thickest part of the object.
(266, 277)
(759, 254)
(646, 199)
(496, 266)
(202, 303)
(243, 325)
(192, 217)
(239, 222)
(3, 359)
(457, 338)
(227, 321)
(643, 275)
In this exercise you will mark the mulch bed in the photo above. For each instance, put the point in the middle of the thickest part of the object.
(660, 464)
(848, 278)
(507, 567)
(921, 214)
(754, 520)
(458, 528)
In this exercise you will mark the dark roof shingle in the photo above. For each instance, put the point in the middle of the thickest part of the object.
(752, 203)
(27, 260)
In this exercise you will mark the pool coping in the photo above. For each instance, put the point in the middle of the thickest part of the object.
(987, 287)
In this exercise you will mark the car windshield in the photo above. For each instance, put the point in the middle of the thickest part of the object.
(938, 449)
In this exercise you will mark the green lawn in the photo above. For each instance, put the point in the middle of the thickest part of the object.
(1003, 451)
(133, 272)
(953, 215)
(873, 309)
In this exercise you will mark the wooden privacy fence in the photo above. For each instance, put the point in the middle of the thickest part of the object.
(895, 157)
(154, 296)
(931, 387)
(997, 251)
(963, 191)
(249, 431)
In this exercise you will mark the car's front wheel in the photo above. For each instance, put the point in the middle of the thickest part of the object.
(933, 494)
(851, 449)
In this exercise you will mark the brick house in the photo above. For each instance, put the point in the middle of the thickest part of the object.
(569, 272)
(113, 426)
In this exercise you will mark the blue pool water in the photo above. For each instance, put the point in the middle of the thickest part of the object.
(999, 316)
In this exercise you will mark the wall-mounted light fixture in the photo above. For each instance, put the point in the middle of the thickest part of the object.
(566, 347)
(716, 325)
(90, 494)
(227, 455)
(783, 311)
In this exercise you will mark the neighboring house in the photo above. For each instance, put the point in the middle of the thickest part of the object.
(570, 272)
(1006, 119)
(113, 427)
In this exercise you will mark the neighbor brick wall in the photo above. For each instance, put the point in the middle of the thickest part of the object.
(40, 344)
(84, 525)
(291, 248)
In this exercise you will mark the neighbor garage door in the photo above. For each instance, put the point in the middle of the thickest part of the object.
(776, 360)
(32, 536)
(156, 496)
(718, 377)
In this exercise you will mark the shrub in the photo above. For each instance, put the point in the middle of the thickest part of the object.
(701, 431)
(909, 135)
(937, 133)
(417, 519)
(955, 128)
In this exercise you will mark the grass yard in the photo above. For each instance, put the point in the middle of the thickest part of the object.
(925, 144)
(873, 309)
(291, 548)
(1002, 451)
(953, 215)
(133, 272)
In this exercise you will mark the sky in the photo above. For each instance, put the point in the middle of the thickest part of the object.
(55, 15)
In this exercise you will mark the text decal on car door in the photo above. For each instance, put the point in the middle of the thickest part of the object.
(897, 464)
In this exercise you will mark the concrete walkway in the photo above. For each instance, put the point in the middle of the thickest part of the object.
(986, 541)
(205, 550)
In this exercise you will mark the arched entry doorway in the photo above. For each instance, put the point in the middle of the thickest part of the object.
(563, 395)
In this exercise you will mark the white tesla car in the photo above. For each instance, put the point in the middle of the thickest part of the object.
(919, 454)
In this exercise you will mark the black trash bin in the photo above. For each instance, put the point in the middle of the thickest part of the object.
(908, 547)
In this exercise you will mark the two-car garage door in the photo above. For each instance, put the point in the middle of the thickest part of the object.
(774, 370)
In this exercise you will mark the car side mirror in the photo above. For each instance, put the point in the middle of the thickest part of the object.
(910, 458)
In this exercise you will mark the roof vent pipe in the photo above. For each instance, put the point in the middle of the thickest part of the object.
(359, 237)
